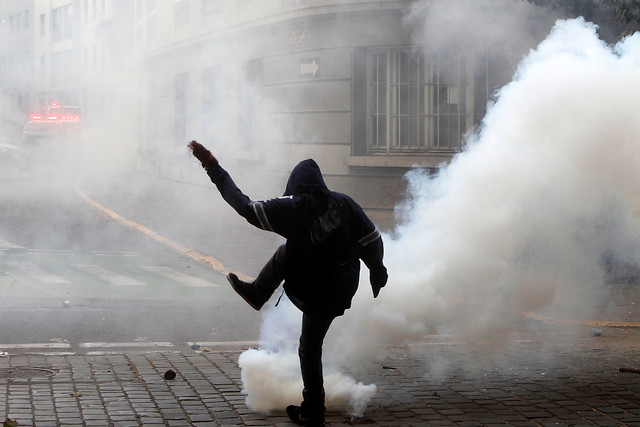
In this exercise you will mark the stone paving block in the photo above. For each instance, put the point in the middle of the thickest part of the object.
(70, 421)
(174, 415)
(197, 418)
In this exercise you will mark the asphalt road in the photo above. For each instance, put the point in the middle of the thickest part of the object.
(66, 273)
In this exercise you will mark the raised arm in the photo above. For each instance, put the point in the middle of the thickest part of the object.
(229, 191)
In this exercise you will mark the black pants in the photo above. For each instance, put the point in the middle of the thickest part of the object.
(271, 275)
(314, 329)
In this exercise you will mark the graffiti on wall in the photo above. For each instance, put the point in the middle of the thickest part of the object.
(391, 195)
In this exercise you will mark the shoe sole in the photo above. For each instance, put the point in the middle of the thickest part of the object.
(294, 415)
(233, 285)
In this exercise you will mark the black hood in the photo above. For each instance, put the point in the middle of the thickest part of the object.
(305, 178)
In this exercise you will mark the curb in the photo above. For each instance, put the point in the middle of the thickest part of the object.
(601, 323)
(205, 260)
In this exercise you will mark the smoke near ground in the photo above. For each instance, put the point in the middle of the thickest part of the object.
(528, 218)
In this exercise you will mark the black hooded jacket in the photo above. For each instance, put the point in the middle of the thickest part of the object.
(327, 234)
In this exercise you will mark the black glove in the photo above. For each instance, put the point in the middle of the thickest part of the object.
(202, 154)
(378, 279)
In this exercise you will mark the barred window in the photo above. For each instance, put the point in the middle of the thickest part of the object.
(62, 23)
(416, 102)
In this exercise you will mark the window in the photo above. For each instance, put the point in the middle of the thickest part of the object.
(210, 8)
(181, 15)
(416, 102)
(67, 66)
(152, 30)
(56, 26)
(234, 89)
(62, 23)
(43, 25)
(180, 108)
(56, 67)
(67, 20)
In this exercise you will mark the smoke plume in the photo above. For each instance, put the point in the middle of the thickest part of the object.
(522, 220)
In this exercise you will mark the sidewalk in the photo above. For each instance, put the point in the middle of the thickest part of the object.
(561, 375)
(530, 383)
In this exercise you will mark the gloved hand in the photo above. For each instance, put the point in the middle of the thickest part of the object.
(206, 158)
(378, 279)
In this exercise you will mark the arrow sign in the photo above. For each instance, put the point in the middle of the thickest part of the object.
(309, 67)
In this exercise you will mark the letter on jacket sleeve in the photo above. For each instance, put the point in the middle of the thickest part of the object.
(273, 215)
(371, 248)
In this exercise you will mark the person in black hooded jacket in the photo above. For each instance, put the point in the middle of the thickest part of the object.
(327, 234)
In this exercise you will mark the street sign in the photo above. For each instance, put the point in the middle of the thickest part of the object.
(309, 67)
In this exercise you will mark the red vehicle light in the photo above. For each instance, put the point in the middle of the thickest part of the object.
(52, 117)
(36, 116)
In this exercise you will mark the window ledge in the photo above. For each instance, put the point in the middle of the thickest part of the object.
(384, 161)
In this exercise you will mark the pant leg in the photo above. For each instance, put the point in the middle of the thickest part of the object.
(314, 329)
(271, 275)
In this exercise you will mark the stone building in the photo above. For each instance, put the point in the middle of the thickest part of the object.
(355, 84)
(266, 83)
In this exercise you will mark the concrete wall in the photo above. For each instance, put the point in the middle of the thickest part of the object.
(302, 62)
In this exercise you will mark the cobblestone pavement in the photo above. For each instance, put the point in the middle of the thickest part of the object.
(552, 378)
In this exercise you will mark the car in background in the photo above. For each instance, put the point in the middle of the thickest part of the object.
(70, 113)
(43, 131)
(49, 129)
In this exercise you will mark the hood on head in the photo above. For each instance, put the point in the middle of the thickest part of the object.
(305, 177)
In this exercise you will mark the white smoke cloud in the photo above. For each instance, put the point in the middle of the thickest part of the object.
(272, 380)
(520, 221)
(475, 25)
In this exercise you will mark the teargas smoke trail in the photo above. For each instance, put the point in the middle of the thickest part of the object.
(520, 221)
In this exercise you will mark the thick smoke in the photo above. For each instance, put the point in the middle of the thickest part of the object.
(474, 26)
(523, 220)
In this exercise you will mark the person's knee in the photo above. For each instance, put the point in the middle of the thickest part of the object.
(309, 350)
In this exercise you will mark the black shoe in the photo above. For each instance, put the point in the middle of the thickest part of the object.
(295, 415)
(246, 290)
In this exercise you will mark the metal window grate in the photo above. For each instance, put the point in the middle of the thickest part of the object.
(417, 102)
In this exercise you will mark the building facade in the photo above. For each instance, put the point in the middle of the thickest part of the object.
(266, 83)
(16, 65)
(263, 83)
